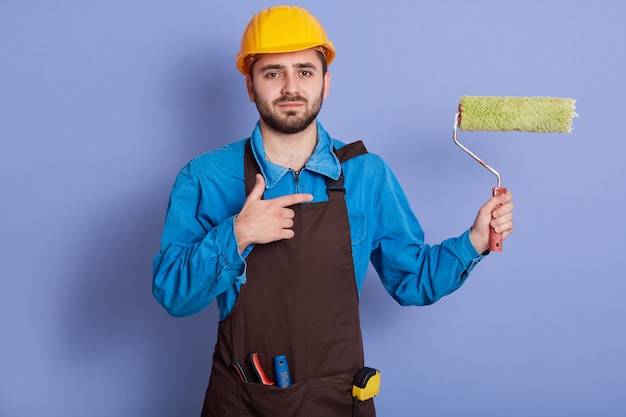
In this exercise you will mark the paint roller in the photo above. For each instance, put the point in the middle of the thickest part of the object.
(507, 114)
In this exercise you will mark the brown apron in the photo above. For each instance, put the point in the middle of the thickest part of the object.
(300, 300)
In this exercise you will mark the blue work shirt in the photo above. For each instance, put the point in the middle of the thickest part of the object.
(199, 258)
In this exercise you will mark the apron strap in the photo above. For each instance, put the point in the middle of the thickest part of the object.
(335, 188)
(350, 151)
(251, 168)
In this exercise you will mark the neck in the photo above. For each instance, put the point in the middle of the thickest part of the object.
(289, 150)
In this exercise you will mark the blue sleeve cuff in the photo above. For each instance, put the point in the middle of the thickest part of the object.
(467, 252)
(230, 248)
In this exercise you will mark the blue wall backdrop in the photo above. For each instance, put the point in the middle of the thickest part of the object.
(101, 103)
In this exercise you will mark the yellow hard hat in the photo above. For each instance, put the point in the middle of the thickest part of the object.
(281, 29)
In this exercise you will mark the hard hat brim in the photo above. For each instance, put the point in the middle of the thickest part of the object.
(243, 61)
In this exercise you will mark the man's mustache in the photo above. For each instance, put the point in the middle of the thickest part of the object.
(291, 99)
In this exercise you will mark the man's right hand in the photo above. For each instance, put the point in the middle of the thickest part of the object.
(265, 221)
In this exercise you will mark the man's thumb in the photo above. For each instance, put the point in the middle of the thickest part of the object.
(259, 188)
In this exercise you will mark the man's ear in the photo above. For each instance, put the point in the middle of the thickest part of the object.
(326, 84)
(250, 88)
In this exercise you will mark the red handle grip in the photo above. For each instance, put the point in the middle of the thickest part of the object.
(258, 370)
(495, 239)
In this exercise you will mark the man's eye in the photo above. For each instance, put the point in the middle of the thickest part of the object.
(271, 75)
(306, 73)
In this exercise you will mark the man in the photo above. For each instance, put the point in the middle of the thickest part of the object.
(280, 228)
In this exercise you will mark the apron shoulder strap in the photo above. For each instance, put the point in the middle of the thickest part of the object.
(250, 168)
(350, 151)
(335, 188)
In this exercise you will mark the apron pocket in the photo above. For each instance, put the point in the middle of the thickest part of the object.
(331, 396)
(321, 397)
(258, 400)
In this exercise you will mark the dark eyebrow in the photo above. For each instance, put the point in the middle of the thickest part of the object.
(306, 65)
(270, 67)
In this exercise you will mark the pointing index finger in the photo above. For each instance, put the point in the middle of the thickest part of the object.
(291, 199)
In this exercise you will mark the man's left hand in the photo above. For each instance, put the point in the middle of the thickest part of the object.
(497, 212)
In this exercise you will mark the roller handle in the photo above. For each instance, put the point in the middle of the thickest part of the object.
(495, 239)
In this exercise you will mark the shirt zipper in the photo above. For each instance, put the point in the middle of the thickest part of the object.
(297, 179)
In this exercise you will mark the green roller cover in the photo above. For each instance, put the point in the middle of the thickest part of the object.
(524, 114)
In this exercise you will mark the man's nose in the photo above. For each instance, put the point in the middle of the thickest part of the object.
(290, 85)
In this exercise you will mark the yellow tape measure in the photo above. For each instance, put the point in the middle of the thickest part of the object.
(366, 384)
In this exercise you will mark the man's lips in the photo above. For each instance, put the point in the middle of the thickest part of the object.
(291, 104)
(291, 107)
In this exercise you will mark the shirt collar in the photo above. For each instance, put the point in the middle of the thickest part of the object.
(323, 160)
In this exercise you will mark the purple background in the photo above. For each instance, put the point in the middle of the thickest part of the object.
(101, 103)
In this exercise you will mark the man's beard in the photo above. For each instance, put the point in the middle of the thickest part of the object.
(289, 123)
